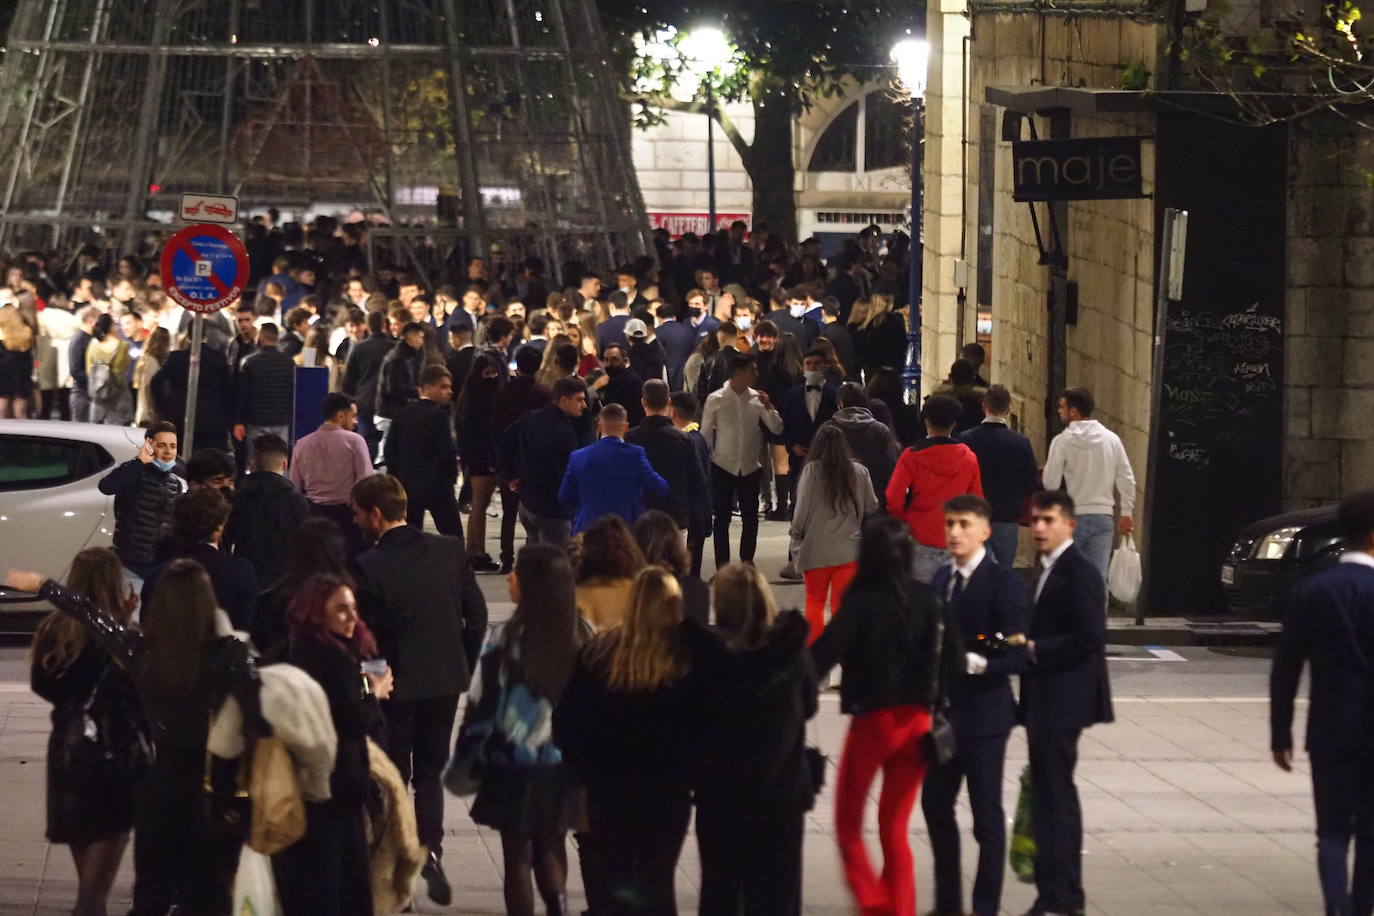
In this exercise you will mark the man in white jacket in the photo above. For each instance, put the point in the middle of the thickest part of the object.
(1088, 460)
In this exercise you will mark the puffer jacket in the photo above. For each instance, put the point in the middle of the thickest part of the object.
(143, 509)
(399, 382)
(266, 389)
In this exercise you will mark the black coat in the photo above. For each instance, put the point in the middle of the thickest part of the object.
(266, 389)
(610, 737)
(535, 452)
(399, 383)
(715, 372)
(419, 596)
(678, 340)
(1006, 462)
(843, 342)
(805, 331)
(696, 599)
(873, 444)
(994, 600)
(625, 388)
(758, 758)
(363, 369)
(648, 359)
(882, 343)
(267, 510)
(885, 642)
(672, 454)
(1066, 685)
(420, 451)
(234, 580)
(142, 508)
(212, 396)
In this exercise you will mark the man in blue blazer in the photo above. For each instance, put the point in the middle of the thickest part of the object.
(610, 476)
(1329, 622)
(1063, 691)
(986, 598)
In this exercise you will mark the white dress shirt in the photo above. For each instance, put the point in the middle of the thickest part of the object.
(813, 400)
(967, 571)
(731, 426)
(1047, 563)
(1358, 557)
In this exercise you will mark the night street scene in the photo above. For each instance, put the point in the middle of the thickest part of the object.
(641, 457)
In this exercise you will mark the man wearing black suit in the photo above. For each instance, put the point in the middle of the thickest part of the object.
(420, 452)
(1064, 691)
(678, 339)
(671, 454)
(1329, 621)
(805, 407)
(420, 597)
(985, 598)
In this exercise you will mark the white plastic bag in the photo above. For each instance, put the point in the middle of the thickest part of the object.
(1123, 575)
(255, 890)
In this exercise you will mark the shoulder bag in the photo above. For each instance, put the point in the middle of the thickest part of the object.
(939, 745)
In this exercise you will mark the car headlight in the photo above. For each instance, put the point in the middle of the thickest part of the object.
(1275, 544)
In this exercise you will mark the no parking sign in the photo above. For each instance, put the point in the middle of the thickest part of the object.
(204, 268)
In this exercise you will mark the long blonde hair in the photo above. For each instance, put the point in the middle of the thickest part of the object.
(549, 372)
(878, 306)
(97, 574)
(745, 609)
(645, 652)
(15, 332)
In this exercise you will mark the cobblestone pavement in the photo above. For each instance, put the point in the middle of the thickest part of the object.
(1184, 812)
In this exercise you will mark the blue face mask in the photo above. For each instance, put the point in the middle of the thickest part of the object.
(163, 465)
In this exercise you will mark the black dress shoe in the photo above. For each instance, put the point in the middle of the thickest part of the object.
(436, 882)
(506, 568)
(483, 564)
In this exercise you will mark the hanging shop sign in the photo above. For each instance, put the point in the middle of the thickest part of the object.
(1098, 168)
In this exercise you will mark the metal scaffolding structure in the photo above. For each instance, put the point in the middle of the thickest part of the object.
(450, 125)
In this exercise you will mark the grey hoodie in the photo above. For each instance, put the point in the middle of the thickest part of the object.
(872, 442)
(1088, 460)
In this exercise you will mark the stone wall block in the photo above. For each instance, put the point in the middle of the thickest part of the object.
(1343, 413)
(1313, 361)
(1359, 261)
(1312, 469)
(1357, 466)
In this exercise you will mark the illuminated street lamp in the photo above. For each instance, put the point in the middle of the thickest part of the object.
(911, 57)
(705, 50)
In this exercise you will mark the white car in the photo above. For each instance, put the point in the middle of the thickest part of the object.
(50, 508)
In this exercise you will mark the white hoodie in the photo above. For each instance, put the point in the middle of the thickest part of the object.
(1088, 459)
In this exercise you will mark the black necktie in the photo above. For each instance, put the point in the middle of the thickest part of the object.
(813, 387)
(958, 586)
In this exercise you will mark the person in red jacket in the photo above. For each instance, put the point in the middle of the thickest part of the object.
(933, 470)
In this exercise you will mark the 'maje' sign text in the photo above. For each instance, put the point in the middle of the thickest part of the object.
(1090, 169)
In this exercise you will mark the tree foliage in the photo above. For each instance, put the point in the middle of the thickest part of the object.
(786, 53)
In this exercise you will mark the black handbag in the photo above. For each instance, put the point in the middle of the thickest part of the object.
(938, 746)
(816, 763)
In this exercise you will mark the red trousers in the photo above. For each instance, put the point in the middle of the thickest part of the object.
(828, 581)
(889, 739)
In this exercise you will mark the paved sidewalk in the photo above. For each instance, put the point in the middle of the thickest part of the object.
(1185, 814)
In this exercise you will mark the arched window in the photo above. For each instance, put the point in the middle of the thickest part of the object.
(870, 133)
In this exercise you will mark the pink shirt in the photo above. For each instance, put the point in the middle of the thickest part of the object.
(327, 463)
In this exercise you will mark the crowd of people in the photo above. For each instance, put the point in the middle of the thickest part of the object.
(723, 379)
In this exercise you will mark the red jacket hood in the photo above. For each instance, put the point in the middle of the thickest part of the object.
(928, 474)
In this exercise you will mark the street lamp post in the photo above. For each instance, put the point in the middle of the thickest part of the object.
(911, 57)
(705, 50)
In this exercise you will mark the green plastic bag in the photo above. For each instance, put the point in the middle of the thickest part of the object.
(1022, 848)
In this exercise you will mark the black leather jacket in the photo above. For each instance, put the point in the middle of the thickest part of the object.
(143, 510)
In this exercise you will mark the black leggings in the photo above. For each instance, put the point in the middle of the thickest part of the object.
(638, 829)
(177, 858)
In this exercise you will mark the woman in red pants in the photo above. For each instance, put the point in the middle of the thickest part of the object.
(884, 637)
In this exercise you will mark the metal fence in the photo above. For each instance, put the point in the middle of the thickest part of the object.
(448, 121)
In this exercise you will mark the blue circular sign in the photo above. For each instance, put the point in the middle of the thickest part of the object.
(204, 267)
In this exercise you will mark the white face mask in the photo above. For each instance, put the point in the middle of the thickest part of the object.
(625, 290)
(797, 311)
(743, 322)
(815, 377)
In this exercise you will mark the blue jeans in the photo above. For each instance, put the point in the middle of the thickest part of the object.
(1094, 537)
(371, 435)
(1002, 544)
(927, 560)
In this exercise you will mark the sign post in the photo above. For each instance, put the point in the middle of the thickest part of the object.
(204, 268)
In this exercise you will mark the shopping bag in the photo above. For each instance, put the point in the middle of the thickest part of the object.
(278, 813)
(1022, 848)
(1123, 575)
(255, 890)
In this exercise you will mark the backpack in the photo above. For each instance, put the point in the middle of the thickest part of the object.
(102, 384)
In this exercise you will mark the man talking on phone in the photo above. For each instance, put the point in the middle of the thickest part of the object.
(144, 488)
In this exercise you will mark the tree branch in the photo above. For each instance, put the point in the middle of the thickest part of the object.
(727, 124)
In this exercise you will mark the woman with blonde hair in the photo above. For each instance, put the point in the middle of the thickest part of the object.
(549, 370)
(16, 364)
(635, 720)
(881, 336)
(154, 355)
(585, 341)
(757, 786)
(90, 804)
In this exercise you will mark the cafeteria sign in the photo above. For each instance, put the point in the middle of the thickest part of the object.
(1104, 168)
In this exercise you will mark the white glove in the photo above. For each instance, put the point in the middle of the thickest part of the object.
(975, 663)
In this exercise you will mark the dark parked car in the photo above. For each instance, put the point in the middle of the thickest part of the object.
(1272, 555)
